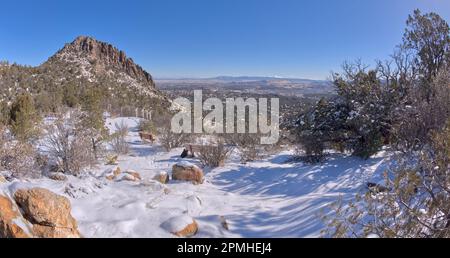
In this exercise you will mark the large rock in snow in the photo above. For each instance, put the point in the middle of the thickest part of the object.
(12, 223)
(134, 174)
(58, 177)
(130, 175)
(2, 179)
(162, 177)
(182, 226)
(48, 212)
(187, 172)
(113, 174)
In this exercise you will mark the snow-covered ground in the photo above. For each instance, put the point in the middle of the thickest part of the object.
(268, 198)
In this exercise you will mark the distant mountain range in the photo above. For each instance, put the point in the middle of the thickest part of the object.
(263, 78)
(260, 84)
(239, 79)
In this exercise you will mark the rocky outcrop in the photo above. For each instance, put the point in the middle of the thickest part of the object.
(12, 224)
(113, 174)
(82, 64)
(186, 171)
(116, 174)
(36, 212)
(58, 177)
(104, 56)
(162, 177)
(117, 171)
(134, 174)
(129, 175)
(181, 226)
(48, 212)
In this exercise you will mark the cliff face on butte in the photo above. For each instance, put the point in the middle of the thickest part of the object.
(101, 57)
(83, 63)
(95, 60)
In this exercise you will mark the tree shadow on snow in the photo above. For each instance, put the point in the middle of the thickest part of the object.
(300, 194)
(339, 174)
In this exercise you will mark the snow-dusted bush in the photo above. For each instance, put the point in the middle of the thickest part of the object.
(17, 157)
(170, 140)
(358, 120)
(20, 160)
(413, 122)
(318, 127)
(416, 203)
(117, 139)
(147, 126)
(160, 126)
(249, 145)
(214, 155)
(69, 145)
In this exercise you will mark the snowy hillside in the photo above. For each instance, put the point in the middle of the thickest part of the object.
(268, 198)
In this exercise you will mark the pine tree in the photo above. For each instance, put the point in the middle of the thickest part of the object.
(23, 118)
(412, 107)
(428, 36)
(70, 96)
(4, 113)
(92, 120)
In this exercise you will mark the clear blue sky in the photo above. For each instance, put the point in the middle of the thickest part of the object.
(203, 38)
